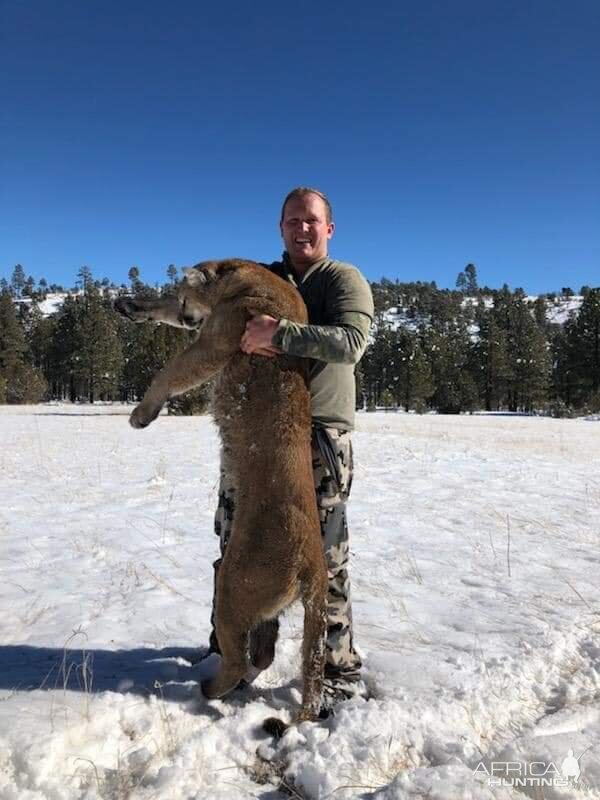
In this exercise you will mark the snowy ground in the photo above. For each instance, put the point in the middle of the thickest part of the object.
(475, 569)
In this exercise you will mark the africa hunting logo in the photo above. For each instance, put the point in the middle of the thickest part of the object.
(532, 773)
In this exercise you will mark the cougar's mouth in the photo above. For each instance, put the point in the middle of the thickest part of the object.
(191, 321)
(192, 316)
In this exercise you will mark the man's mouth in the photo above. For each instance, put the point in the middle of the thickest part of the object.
(302, 241)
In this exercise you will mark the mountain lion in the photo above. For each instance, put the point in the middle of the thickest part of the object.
(262, 408)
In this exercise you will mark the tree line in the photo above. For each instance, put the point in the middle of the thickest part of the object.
(84, 352)
(446, 350)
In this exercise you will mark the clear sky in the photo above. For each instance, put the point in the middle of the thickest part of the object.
(149, 133)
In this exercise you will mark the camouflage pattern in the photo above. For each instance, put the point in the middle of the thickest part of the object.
(328, 343)
(332, 471)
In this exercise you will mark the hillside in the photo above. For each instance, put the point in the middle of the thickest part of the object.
(558, 311)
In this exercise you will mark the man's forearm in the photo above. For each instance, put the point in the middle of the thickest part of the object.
(341, 344)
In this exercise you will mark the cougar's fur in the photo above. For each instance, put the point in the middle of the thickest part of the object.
(262, 408)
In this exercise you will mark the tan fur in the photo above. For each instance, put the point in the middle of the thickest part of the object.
(262, 407)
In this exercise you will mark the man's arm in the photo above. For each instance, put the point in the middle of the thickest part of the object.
(343, 343)
(343, 340)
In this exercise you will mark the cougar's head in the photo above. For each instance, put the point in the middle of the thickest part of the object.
(207, 284)
(197, 294)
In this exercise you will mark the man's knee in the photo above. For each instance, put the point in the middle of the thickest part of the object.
(334, 531)
(337, 558)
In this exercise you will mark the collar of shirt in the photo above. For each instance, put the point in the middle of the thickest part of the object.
(296, 278)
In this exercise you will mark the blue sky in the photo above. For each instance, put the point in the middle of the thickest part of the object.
(444, 133)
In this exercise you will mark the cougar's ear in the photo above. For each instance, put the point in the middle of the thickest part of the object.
(226, 267)
(198, 276)
(209, 271)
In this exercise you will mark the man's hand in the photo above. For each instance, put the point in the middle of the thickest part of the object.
(258, 335)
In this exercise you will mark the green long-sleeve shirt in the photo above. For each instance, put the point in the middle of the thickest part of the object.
(340, 312)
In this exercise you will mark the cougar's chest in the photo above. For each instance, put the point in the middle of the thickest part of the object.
(245, 387)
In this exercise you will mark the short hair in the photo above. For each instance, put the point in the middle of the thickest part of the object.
(301, 191)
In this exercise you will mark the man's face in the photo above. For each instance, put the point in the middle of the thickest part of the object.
(305, 230)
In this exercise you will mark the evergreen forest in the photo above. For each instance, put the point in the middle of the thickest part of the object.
(448, 350)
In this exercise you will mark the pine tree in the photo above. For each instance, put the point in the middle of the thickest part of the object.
(18, 280)
(134, 280)
(539, 312)
(489, 364)
(172, 274)
(413, 377)
(461, 282)
(84, 277)
(584, 340)
(40, 332)
(29, 287)
(98, 356)
(471, 278)
(528, 352)
(21, 383)
(63, 349)
(563, 393)
(447, 351)
(12, 335)
(446, 343)
(377, 365)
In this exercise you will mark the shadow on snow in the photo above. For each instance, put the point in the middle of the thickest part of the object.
(172, 673)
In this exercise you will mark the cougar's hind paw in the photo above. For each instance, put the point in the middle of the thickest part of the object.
(216, 687)
(275, 727)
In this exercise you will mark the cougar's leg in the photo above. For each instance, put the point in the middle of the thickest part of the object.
(313, 646)
(262, 643)
(233, 640)
(314, 591)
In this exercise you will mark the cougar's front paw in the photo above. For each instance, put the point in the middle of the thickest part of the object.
(128, 307)
(142, 416)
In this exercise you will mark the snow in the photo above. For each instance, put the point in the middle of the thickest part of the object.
(397, 318)
(475, 571)
(563, 308)
(52, 303)
(558, 312)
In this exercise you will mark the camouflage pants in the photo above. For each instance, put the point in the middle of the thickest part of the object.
(332, 472)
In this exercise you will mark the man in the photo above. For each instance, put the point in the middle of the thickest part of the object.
(340, 311)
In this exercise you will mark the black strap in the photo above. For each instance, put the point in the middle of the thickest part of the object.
(324, 444)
